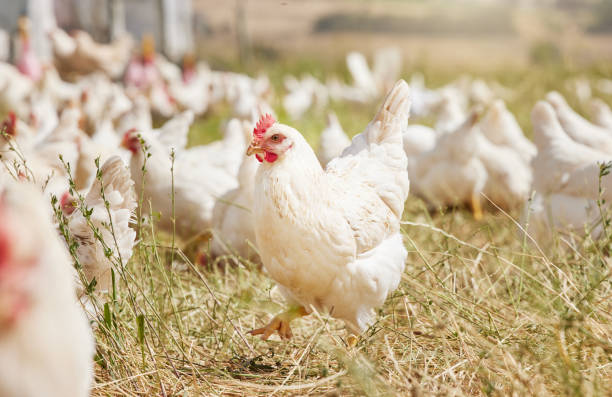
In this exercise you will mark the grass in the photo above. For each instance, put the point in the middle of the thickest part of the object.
(480, 310)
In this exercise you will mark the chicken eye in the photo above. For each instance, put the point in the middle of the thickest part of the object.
(275, 138)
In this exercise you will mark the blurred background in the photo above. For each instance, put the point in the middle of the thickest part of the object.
(467, 34)
(527, 46)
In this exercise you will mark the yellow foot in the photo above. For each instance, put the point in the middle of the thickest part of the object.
(476, 207)
(280, 324)
(352, 340)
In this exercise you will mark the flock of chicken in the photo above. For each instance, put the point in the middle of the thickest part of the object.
(325, 225)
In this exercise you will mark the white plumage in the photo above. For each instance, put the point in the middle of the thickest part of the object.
(501, 128)
(331, 238)
(601, 113)
(232, 223)
(46, 344)
(118, 189)
(197, 184)
(452, 173)
(566, 180)
(559, 157)
(333, 140)
(578, 128)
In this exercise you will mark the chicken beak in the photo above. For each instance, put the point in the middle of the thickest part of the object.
(252, 149)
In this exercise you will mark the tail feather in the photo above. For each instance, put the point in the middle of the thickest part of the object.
(114, 178)
(115, 181)
(377, 154)
(392, 115)
(546, 127)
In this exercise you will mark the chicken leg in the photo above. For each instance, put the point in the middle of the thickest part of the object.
(280, 323)
(476, 206)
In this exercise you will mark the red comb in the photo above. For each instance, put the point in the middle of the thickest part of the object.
(262, 125)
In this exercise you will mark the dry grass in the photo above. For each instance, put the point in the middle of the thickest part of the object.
(481, 314)
(480, 311)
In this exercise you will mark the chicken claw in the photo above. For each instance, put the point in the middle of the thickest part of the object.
(280, 323)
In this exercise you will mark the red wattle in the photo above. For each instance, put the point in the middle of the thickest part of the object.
(258, 157)
(270, 157)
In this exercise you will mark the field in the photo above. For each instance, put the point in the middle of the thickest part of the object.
(481, 309)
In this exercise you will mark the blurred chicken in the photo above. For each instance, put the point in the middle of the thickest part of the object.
(117, 188)
(560, 214)
(138, 117)
(508, 175)
(142, 71)
(452, 173)
(81, 55)
(331, 238)
(387, 67)
(46, 343)
(226, 154)
(417, 139)
(363, 79)
(578, 128)
(449, 112)
(15, 91)
(59, 91)
(27, 62)
(175, 132)
(563, 165)
(333, 140)
(188, 194)
(501, 128)
(191, 90)
(232, 223)
(601, 114)
(480, 93)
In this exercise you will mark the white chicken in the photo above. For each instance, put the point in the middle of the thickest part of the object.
(578, 128)
(333, 140)
(117, 188)
(46, 343)
(562, 165)
(232, 223)
(387, 67)
(452, 173)
(548, 215)
(226, 154)
(191, 90)
(363, 79)
(601, 113)
(80, 54)
(508, 176)
(450, 113)
(15, 90)
(139, 117)
(566, 180)
(331, 238)
(197, 184)
(27, 61)
(501, 128)
(418, 139)
(175, 132)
